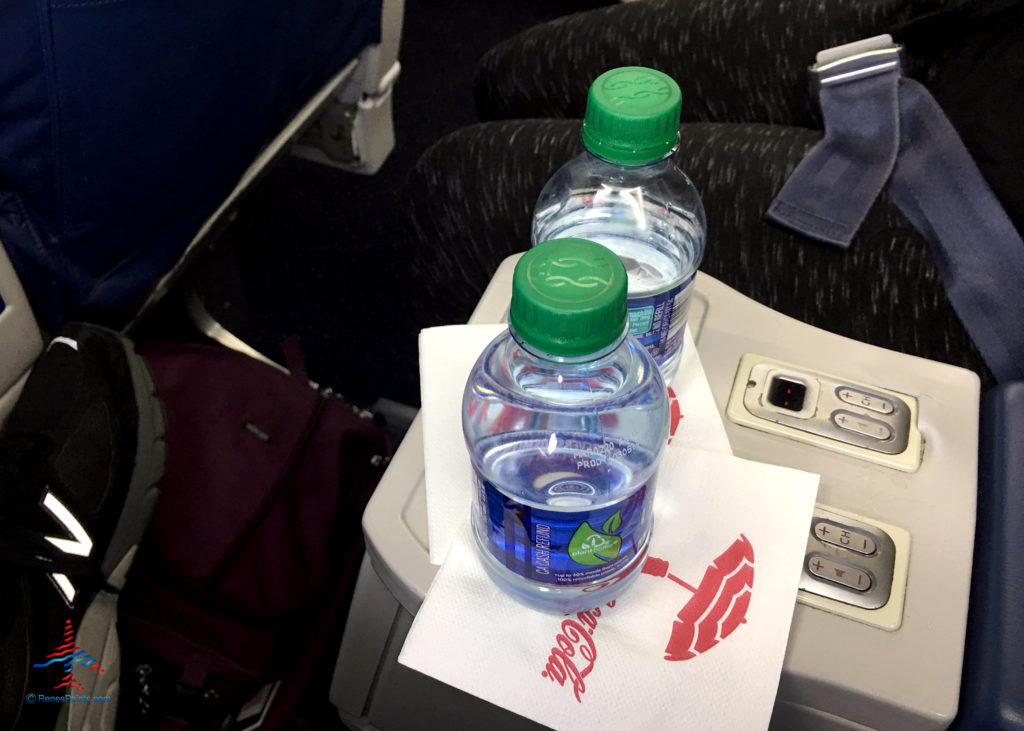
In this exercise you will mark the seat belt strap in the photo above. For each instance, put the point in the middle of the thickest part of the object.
(832, 189)
(883, 128)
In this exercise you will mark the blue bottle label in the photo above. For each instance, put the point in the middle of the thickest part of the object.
(564, 548)
(658, 321)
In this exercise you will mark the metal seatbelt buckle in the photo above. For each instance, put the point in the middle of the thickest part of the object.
(857, 60)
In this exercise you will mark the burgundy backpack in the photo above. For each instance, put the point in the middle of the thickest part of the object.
(243, 580)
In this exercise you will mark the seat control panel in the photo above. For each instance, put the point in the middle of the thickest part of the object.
(861, 420)
(848, 560)
(855, 566)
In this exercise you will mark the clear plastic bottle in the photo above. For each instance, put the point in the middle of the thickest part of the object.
(624, 191)
(565, 417)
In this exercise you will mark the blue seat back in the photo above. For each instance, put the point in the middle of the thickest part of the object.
(125, 123)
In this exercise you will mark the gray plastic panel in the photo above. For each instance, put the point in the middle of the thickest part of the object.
(906, 678)
(903, 679)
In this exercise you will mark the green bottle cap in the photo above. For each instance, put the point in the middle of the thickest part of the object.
(568, 298)
(632, 115)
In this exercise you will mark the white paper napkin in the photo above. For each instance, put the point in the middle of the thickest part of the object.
(696, 643)
(447, 355)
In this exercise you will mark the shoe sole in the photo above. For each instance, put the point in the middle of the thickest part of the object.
(97, 631)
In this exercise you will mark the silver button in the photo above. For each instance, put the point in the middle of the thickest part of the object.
(838, 573)
(868, 401)
(837, 535)
(861, 425)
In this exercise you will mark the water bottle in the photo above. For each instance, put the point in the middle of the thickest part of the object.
(565, 416)
(624, 191)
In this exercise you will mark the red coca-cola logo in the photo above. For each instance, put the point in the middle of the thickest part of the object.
(716, 608)
(718, 604)
(675, 414)
(574, 653)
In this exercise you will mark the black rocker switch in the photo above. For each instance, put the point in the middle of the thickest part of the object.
(787, 393)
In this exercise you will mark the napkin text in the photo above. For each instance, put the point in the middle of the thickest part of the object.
(574, 641)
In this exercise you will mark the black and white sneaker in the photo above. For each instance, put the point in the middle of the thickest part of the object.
(81, 454)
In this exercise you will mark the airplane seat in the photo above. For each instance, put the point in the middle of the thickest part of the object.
(993, 682)
(528, 126)
(132, 130)
(21, 340)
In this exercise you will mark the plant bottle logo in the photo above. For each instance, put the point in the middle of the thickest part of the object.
(594, 548)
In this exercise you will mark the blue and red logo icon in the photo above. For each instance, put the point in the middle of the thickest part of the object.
(69, 654)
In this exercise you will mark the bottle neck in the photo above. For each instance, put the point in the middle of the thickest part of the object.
(665, 159)
(568, 360)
